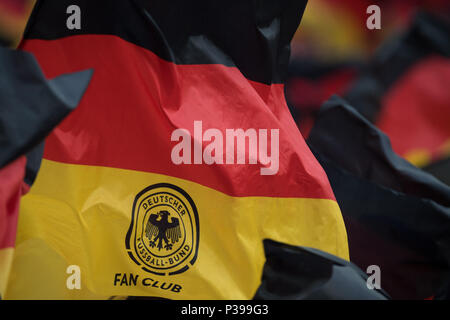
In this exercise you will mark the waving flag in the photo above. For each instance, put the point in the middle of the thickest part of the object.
(30, 107)
(181, 158)
(397, 216)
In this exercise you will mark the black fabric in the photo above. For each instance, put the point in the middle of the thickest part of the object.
(4, 41)
(253, 35)
(428, 35)
(31, 106)
(34, 158)
(355, 145)
(440, 169)
(299, 273)
(396, 215)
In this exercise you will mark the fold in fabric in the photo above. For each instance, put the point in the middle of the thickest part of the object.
(299, 273)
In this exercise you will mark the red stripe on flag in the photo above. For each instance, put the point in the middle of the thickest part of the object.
(11, 189)
(136, 100)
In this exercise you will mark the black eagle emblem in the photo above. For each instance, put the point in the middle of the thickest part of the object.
(160, 230)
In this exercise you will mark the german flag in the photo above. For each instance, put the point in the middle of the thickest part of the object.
(115, 194)
(30, 107)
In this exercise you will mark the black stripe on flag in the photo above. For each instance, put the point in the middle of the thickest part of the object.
(252, 35)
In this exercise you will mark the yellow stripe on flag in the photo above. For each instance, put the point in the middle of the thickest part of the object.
(6, 257)
(80, 215)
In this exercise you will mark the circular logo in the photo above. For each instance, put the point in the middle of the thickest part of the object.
(163, 237)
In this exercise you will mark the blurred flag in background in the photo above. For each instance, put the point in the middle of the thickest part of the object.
(30, 107)
(13, 17)
(397, 78)
(404, 91)
(335, 31)
(397, 216)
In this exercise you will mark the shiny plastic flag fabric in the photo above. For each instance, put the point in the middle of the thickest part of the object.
(111, 199)
(299, 273)
(30, 107)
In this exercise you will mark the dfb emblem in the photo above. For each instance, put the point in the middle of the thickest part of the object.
(163, 237)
